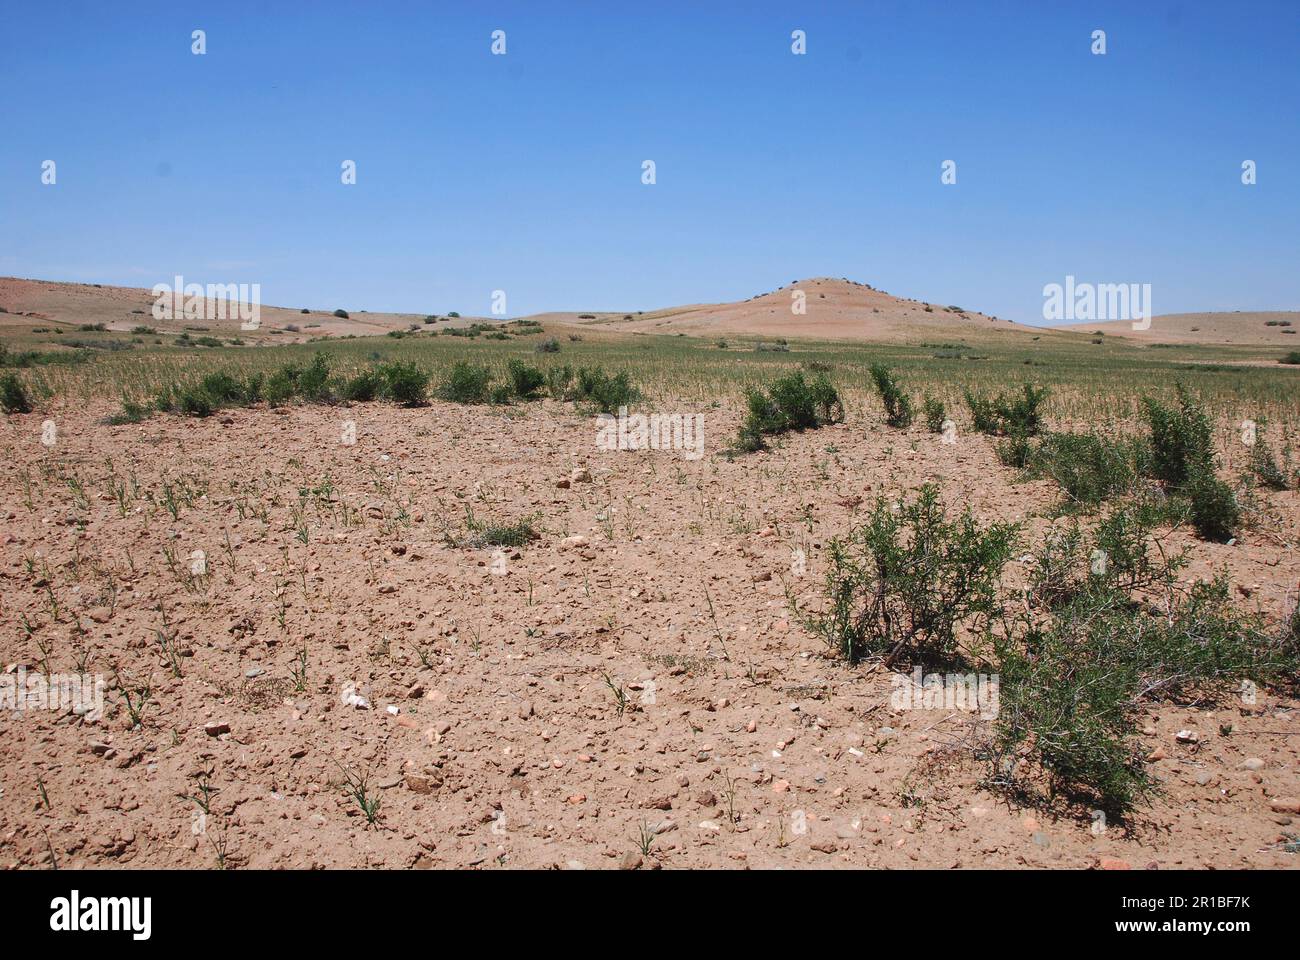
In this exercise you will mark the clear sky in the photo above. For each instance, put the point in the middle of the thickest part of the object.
(522, 172)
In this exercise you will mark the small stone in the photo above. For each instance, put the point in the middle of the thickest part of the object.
(1112, 863)
(419, 784)
(1284, 805)
(1187, 736)
(1253, 763)
(631, 861)
(216, 729)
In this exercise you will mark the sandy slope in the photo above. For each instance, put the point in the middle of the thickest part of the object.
(123, 308)
(1237, 327)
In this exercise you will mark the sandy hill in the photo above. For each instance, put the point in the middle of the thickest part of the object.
(836, 309)
(1238, 327)
(70, 305)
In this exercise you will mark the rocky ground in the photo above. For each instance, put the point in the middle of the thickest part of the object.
(627, 689)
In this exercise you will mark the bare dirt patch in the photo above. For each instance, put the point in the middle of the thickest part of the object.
(627, 689)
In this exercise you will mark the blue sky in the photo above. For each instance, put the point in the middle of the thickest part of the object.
(523, 172)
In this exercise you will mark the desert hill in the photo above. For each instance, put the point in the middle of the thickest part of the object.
(833, 309)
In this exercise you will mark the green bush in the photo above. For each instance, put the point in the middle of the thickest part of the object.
(901, 585)
(1090, 467)
(404, 383)
(1091, 644)
(364, 387)
(550, 345)
(1180, 439)
(1023, 416)
(790, 403)
(983, 413)
(466, 383)
(1293, 357)
(525, 381)
(1068, 709)
(1215, 513)
(605, 393)
(13, 395)
(558, 381)
(281, 386)
(1183, 460)
(1263, 466)
(935, 414)
(1014, 451)
(1009, 416)
(898, 405)
(1073, 686)
(194, 401)
(222, 389)
(313, 382)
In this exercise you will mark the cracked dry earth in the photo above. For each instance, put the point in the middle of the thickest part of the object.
(477, 694)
